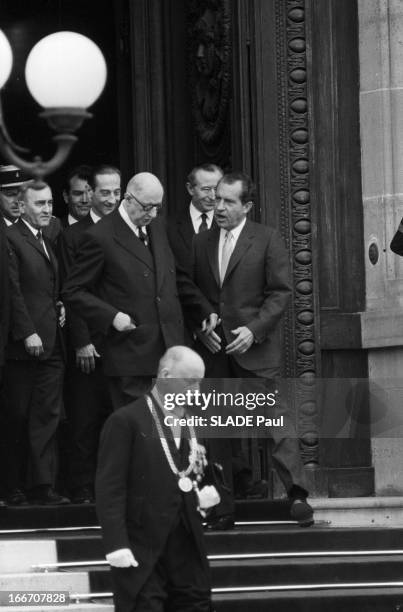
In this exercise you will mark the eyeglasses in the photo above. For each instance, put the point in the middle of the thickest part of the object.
(145, 207)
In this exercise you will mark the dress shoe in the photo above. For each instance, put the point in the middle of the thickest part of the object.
(302, 512)
(16, 498)
(222, 523)
(44, 495)
(257, 489)
(83, 495)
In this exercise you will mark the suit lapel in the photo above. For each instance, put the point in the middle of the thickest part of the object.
(212, 252)
(32, 240)
(185, 229)
(158, 248)
(126, 238)
(244, 242)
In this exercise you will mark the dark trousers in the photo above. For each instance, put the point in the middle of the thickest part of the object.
(32, 408)
(179, 582)
(87, 404)
(285, 450)
(126, 389)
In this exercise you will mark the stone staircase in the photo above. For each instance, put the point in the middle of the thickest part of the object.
(273, 566)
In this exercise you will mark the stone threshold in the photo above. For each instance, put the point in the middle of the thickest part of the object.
(359, 511)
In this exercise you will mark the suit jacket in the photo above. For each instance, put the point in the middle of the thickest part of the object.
(4, 292)
(255, 291)
(397, 241)
(180, 235)
(34, 292)
(115, 272)
(68, 247)
(137, 494)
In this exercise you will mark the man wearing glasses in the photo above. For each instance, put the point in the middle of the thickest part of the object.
(123, 284)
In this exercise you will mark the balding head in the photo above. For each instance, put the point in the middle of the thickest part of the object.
(146, 187)
(180, 369)
(181, 362)
(143, 198)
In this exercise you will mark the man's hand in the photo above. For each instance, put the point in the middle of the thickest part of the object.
(242, 342)
(121, 558)
(62, 314)
(122, 322)
(85, 358)
(212, 341)
(33, 345)
(210, 323)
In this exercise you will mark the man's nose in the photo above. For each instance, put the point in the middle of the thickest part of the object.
(85, 197)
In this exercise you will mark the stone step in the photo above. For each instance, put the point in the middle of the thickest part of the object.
(256, 572)
(77, 582)
(367, 599)
(20, 555)
(88, 546)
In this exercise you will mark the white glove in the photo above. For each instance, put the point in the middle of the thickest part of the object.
(208, 497)
(121, 558)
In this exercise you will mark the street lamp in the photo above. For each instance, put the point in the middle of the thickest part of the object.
(65, 73)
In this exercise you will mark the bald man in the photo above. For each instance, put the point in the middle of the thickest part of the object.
(123, 283)
(151, 529)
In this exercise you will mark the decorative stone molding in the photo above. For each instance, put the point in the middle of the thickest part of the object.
(209, 32)
(296, 219)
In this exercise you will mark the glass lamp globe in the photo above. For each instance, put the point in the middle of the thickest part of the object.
(6, 59)
(65, 70)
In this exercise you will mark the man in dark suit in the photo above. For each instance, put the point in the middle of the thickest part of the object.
(198, 216)
(34, 367)
(242, 269)
(86, 396)
(77, 194)
(151, 529)
(123, 283)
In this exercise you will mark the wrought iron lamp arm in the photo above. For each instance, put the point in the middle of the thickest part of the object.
(64, 121)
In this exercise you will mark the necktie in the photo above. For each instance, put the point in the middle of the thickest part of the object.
(203, 225)
(227, 249)
(143, 236)
(39, 238)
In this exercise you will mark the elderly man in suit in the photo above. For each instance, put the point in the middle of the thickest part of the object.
(86, 395)
(151, 529)
(34, 368)
(241, 267)
(123, 283)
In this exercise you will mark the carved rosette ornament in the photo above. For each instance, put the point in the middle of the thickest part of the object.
(210, 66)
(300, 342)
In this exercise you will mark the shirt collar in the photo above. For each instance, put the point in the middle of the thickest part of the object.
(124, 214)
(71, 220)
(235, 231)
(195, 215)
(94, 216)
(33, 229)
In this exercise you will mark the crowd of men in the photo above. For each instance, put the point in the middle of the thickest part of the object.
(91, 302)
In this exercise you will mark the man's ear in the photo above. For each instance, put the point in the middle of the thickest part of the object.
(190, 189)
(248, 205)
(65, 197)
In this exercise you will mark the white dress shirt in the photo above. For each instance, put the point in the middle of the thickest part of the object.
(123, 213)
(196, 217)
(94, 216)
(235, 235)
